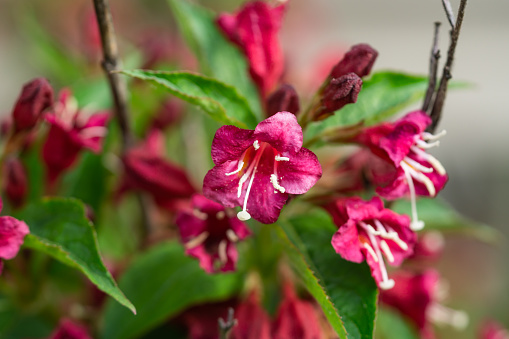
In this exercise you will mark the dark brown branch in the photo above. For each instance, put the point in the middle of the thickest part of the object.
(433, 68)
(449, 13)
(111, 63)
(446, 74)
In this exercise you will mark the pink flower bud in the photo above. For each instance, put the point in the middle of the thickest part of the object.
(338, 93)
(35, 97)
(358, 60)
(16, 184)
(285, 99)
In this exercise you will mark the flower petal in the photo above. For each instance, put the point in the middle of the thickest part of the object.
(300, 173)
(346, 243)
(229, 143)
(12, 234)
(281, 131)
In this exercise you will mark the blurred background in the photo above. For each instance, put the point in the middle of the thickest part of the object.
(476, 118)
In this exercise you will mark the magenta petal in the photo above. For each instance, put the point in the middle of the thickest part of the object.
(346, 242)
(189, 225)
(281, 131)
(229, 143)
(240, 228)
(222, 188)
(359, 209)
(12, 234)
(300, 173)
(206, 260)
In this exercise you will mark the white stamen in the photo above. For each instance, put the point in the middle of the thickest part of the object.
(431, 137)
(371, 251)
(199, 214)
(239, 168)
(423, 179)
(222, 251)
(93, 132)
(243, 215)
(417, 165)
(392, 235)
(220, 215)
(242, 180)
(280, 158)
(256, 145)
(197, 241)
(431, 159)
(232, 236)
(273, 180)
(386, 283)
(387, 251)
(440, 314)
(416, 224)
(424, 145)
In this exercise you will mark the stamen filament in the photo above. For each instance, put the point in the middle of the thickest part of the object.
(239, 168)
(431, 159)
(424, 145)
(371, 251)
(223, 257)
(417, 165)
(424, 180)
(244, 215)
(392, 235)
(280, 158)
(416, 224)
(232, 236)
(386, 283)
(433, 137)
(197, 241)
(387, 251)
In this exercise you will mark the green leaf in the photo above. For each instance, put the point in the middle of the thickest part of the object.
(60, 228)
(217, 56)
(440, 216)
(391, 325)
(161, 283)
(222, 102)
(383, 95)
(346, 291)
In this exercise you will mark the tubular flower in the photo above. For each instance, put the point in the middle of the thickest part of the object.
(36, 96)
(417, 297)
(209, 234)
(367, 231)
(254, 29)
(253, 322)
(71, 131)
(12, 234)
(259, 169)
(403, 144)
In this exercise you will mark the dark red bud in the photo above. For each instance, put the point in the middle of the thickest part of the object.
(359, 60)
(16, 185)
(340, 92)
(285, 99)
(35, 97)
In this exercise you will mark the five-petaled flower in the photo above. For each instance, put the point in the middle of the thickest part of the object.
(367, 230)
(71, 131)
(12, 234)
(258, 169)
(403, 144)
(209, 234)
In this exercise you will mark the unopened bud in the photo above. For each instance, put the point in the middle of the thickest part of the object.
(338, 93)
(35, 97)
(16, 184)
(359, 60)
(285, 99)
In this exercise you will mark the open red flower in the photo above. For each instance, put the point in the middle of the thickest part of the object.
(403, 144)
(210, 233)
(12, 234)
(367, 231)
(254, 29)
(416, 296)
(71, 131)
(259, 169)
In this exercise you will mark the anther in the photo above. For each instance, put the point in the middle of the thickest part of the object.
(433, 137)
(243, 215)
(280, 158)
(199, 214)
(256, 145)
(386, 284)
(416, 224)
(222, 251)
(220, 215)
(273, 180)
(197, 241)
(231, 235)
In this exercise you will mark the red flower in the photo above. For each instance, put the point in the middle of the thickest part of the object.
(35, 97)
(366, 231)
(493, 330)
(16, 181)
(67, 329)
(71, 131)
(252, 320)
(254, 29)
(12, 234)
(210, 233)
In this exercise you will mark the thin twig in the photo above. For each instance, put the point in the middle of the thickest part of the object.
(433, 68)
(226, 326)
(446, 74)
(449, 13)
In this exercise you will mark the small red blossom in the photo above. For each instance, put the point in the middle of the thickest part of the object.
(16, 181)
(70, 132)
(416, 297)
(258, 169)
(67, 329)
(254, 29)
(493, 330)
(253, 322)
(209, 234)
(12, 234)
(359, 60)
(403, 144)
(367, 231)
(338, 93)
(296, 318)
(36, 96)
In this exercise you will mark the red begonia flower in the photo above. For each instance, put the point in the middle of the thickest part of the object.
(403, 144)
(35, 97)
(259, 169)
(254, 29)
(367, 230)
(252, 320)
(71, 131)
(296, 318)
(493, 330)
(67, 329)
(416, 297)
(146, 170)
(209, 234)
(12, 234)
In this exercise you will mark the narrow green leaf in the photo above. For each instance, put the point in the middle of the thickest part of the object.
(222, 102)
(161, 283)
(60, 228)
(217, 56)
(349, 287)
(391, 325)
(383, 95)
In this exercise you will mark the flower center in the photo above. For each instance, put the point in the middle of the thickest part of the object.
(414, 170)
(375, 244)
